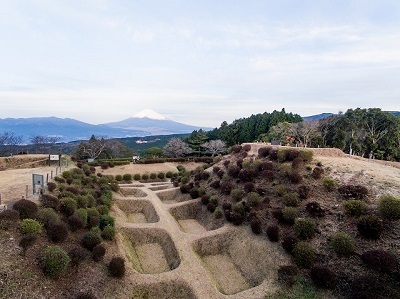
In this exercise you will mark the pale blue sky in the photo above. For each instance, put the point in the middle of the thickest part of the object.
(198, 62)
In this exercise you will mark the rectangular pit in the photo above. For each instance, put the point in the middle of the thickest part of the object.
(237, 260)
(132, 192)
(172, 196)
(151, 250)
(138, 210)
(194, 218)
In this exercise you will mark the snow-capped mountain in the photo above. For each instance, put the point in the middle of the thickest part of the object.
(149, 114)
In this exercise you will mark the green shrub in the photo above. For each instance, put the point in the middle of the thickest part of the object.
(92, 212)
(237, 194)
(280, 190)
(51, 186)
(50, 201)
(256, 225)
(106, 220)
(153, 176)
(54, 261)
(218, 213)
(355, 207)
(103, 209)
(323, 276)
(273, 233)
(90, 240)
(329, 184)
(47, 216)
(169, 174)
(214, 200)
(108, 233)
(137, 177)
(253, 199)
(77, 256)
(161, 175)
(317, 172)
(353, 191)
(370, 226)
(291, 199)
(145, 177)
(68, 206)
(304, 228)
(342, 243)
(26, 209)
(389, 207)
(116, 267)
(315, 209)
(288, 243)
(75, 222)
(31, 226)
(295, 177)
(81, 201)
(289, 214)
(98, 253)
(127, 177)
(304, 254)
(118, 178)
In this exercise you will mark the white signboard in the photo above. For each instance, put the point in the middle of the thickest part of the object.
(54, 157)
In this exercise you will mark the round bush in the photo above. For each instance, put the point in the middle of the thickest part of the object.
(116, 267)
(295, 177)
(82, 213)
(218, 213)
(26, 209)
(291, 199)
(256, 226)
(50, 201)
(47, 216)
(315, 209)
(51, 186)
(317, 172)
(372, 287)
(304, 228)
(288, 243)
(54, 261)
(153, 176)
(161, 175)
(323, 276)
(205, 199)
(303, 191)
(370, 226)
(287, 274)
(304, 254)
(353, 191)
(355, 207)
(342, 243)
(145, 177)
(118, 178)
(127, 177)
(30, 226)
(389, 207)
(106, 220)
(68, 206)
(8, 219)
(26, 242)
(108, 233)
(297, 163)
(380, 260)
(253, 199)
(211, 207)
(75, 222)
(237, 194)
(98, 253)
(273, 233)
(236, 218)
(77, 256)
(329, 184)
(57, 232)
(90, 240)
(137, 176)
(82, 201)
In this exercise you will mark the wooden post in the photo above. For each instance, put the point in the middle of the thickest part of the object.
(51, 175)
(0, 198)
(26, 192)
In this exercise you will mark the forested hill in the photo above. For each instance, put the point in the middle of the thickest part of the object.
(250, 128)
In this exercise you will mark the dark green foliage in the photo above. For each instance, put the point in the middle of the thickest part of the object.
(184, 188)
(226, 187)
(233, 171)
(288, 243)
(323, 276)
(380, 260)
(9, 215)
(218, 213)
(353, 191)
(226, 205)
(106, 220)
(305, 228)
(75, 191)
(194, 193)
(236, 218)
(370, 226)
(68, 206)
(273, 233)
(118, 178)
(90, 240)
(145, 176)
(137, 176)
(289, 214)
(304, 254)
(215, 184)
(306, 155)
(211, 207)
(389, 207)
(57, 232)
(153, 176)
(169, 174)
(237, 194)
(315, 209)
(98, 252)
(256, 226)
(102, 209)
(249, 187)
(30, 226)
(26, 209)
(253, 199)
(47, 216)
(127, 177)
(263, 152)
(161, 175)
(291, 199)
(295, 177)
(297, 163)
(50, 201)
(108, 233)
(54, 261)
(77, 256)
(355, 207)
(317, 172)
(287, 274)
(81, 201)
(51, 186)
(292, 154)
(342, 243)
(26, 242)
(116, 267)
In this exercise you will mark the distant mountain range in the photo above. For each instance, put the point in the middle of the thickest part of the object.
(145, 123)
(325, 115)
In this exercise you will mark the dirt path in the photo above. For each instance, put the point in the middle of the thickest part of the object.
(211, 273)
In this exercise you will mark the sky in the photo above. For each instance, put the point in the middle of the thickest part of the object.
(197, 62)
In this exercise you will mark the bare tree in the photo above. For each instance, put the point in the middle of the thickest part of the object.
(176, 148)
(305, 131)
(214, 146)
(8, 142)
(92, 148)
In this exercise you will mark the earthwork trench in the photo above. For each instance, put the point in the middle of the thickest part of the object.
(177, 249)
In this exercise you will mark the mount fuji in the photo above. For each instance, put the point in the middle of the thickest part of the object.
(153, 123)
